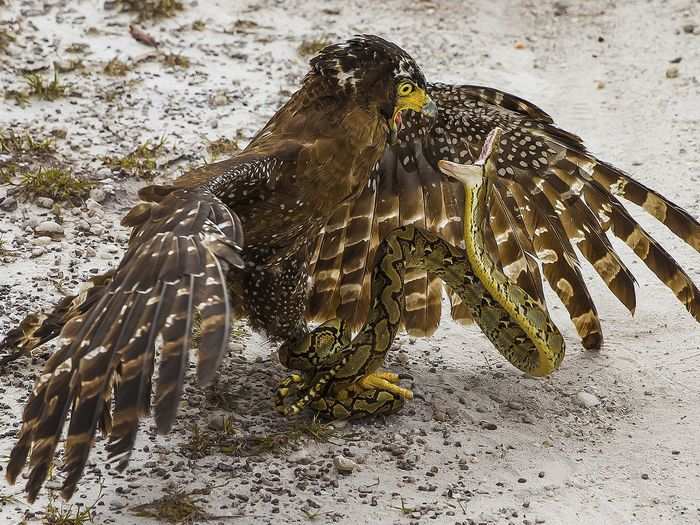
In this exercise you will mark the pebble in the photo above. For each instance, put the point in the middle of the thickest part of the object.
(38, 251)
(98, 195)
(49, 228)
(672, 72)
(216, 421)
(101, 174)
(689, 29)
(587, 400)
(44, 202)
(344, 465)
(488, 425)
(515, 405)
(42, 241)
(303, 457)
(218, 100)
(8, 204)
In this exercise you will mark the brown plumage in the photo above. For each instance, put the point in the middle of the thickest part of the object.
(551, 196)
(186, 257)
(315, 193)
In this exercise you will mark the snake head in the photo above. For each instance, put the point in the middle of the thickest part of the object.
(485, 166)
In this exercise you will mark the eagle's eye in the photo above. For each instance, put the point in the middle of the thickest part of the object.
(405, 89)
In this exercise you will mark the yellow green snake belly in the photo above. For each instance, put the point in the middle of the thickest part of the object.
(340, 377)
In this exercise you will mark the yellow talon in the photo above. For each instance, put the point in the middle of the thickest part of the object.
(385, 381)
(385, 374)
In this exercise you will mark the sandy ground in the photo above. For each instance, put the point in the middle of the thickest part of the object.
(487, 445)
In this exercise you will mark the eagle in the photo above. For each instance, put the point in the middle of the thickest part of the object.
(286, 232)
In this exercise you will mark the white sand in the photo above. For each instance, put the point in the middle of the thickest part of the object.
(632, 459)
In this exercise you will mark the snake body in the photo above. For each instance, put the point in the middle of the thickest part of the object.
(515, 323)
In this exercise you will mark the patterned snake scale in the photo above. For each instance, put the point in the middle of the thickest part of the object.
(515, 323)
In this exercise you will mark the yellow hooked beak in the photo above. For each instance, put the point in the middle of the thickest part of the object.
(418, 101)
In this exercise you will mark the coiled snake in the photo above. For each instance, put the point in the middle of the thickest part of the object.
(341, 378)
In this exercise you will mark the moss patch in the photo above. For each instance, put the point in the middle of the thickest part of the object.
(56, 183)
(139, 163)
(44, 89)
(311, 47)
(152, 9)
(222, 146)
(116, 68)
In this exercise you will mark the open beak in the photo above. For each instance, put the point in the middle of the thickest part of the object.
(418, 101)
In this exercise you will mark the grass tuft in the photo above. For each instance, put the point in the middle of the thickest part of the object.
(152, 9)
(71, 514)
(175, 60)
(57, 183)
(231, 442)
(139, 163)
(15, 144)
(177, 506)
(222, 146)
(116, 68)
(311, 47)
(44, 89)
(6, 38)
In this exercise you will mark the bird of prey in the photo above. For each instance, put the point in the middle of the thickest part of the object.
(350, 158)
(187, 256)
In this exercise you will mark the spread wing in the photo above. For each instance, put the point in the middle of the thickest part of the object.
(552, 201)
(182, 244)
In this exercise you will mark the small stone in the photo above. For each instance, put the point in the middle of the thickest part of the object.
(344, 465)
(44, 202)
(488, 425)
(38, 251)
(515, 405)
(216, 421)
(8, 204)
(587, 400)
(672, 72)
(675, 452)
(645, 476)
(101, 174)
(689, 29)
(303, 457)
(98, 195)
(218, 100)
(42, 241)
(49, 228)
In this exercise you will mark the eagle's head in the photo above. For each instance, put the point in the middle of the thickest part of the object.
(375, 73)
